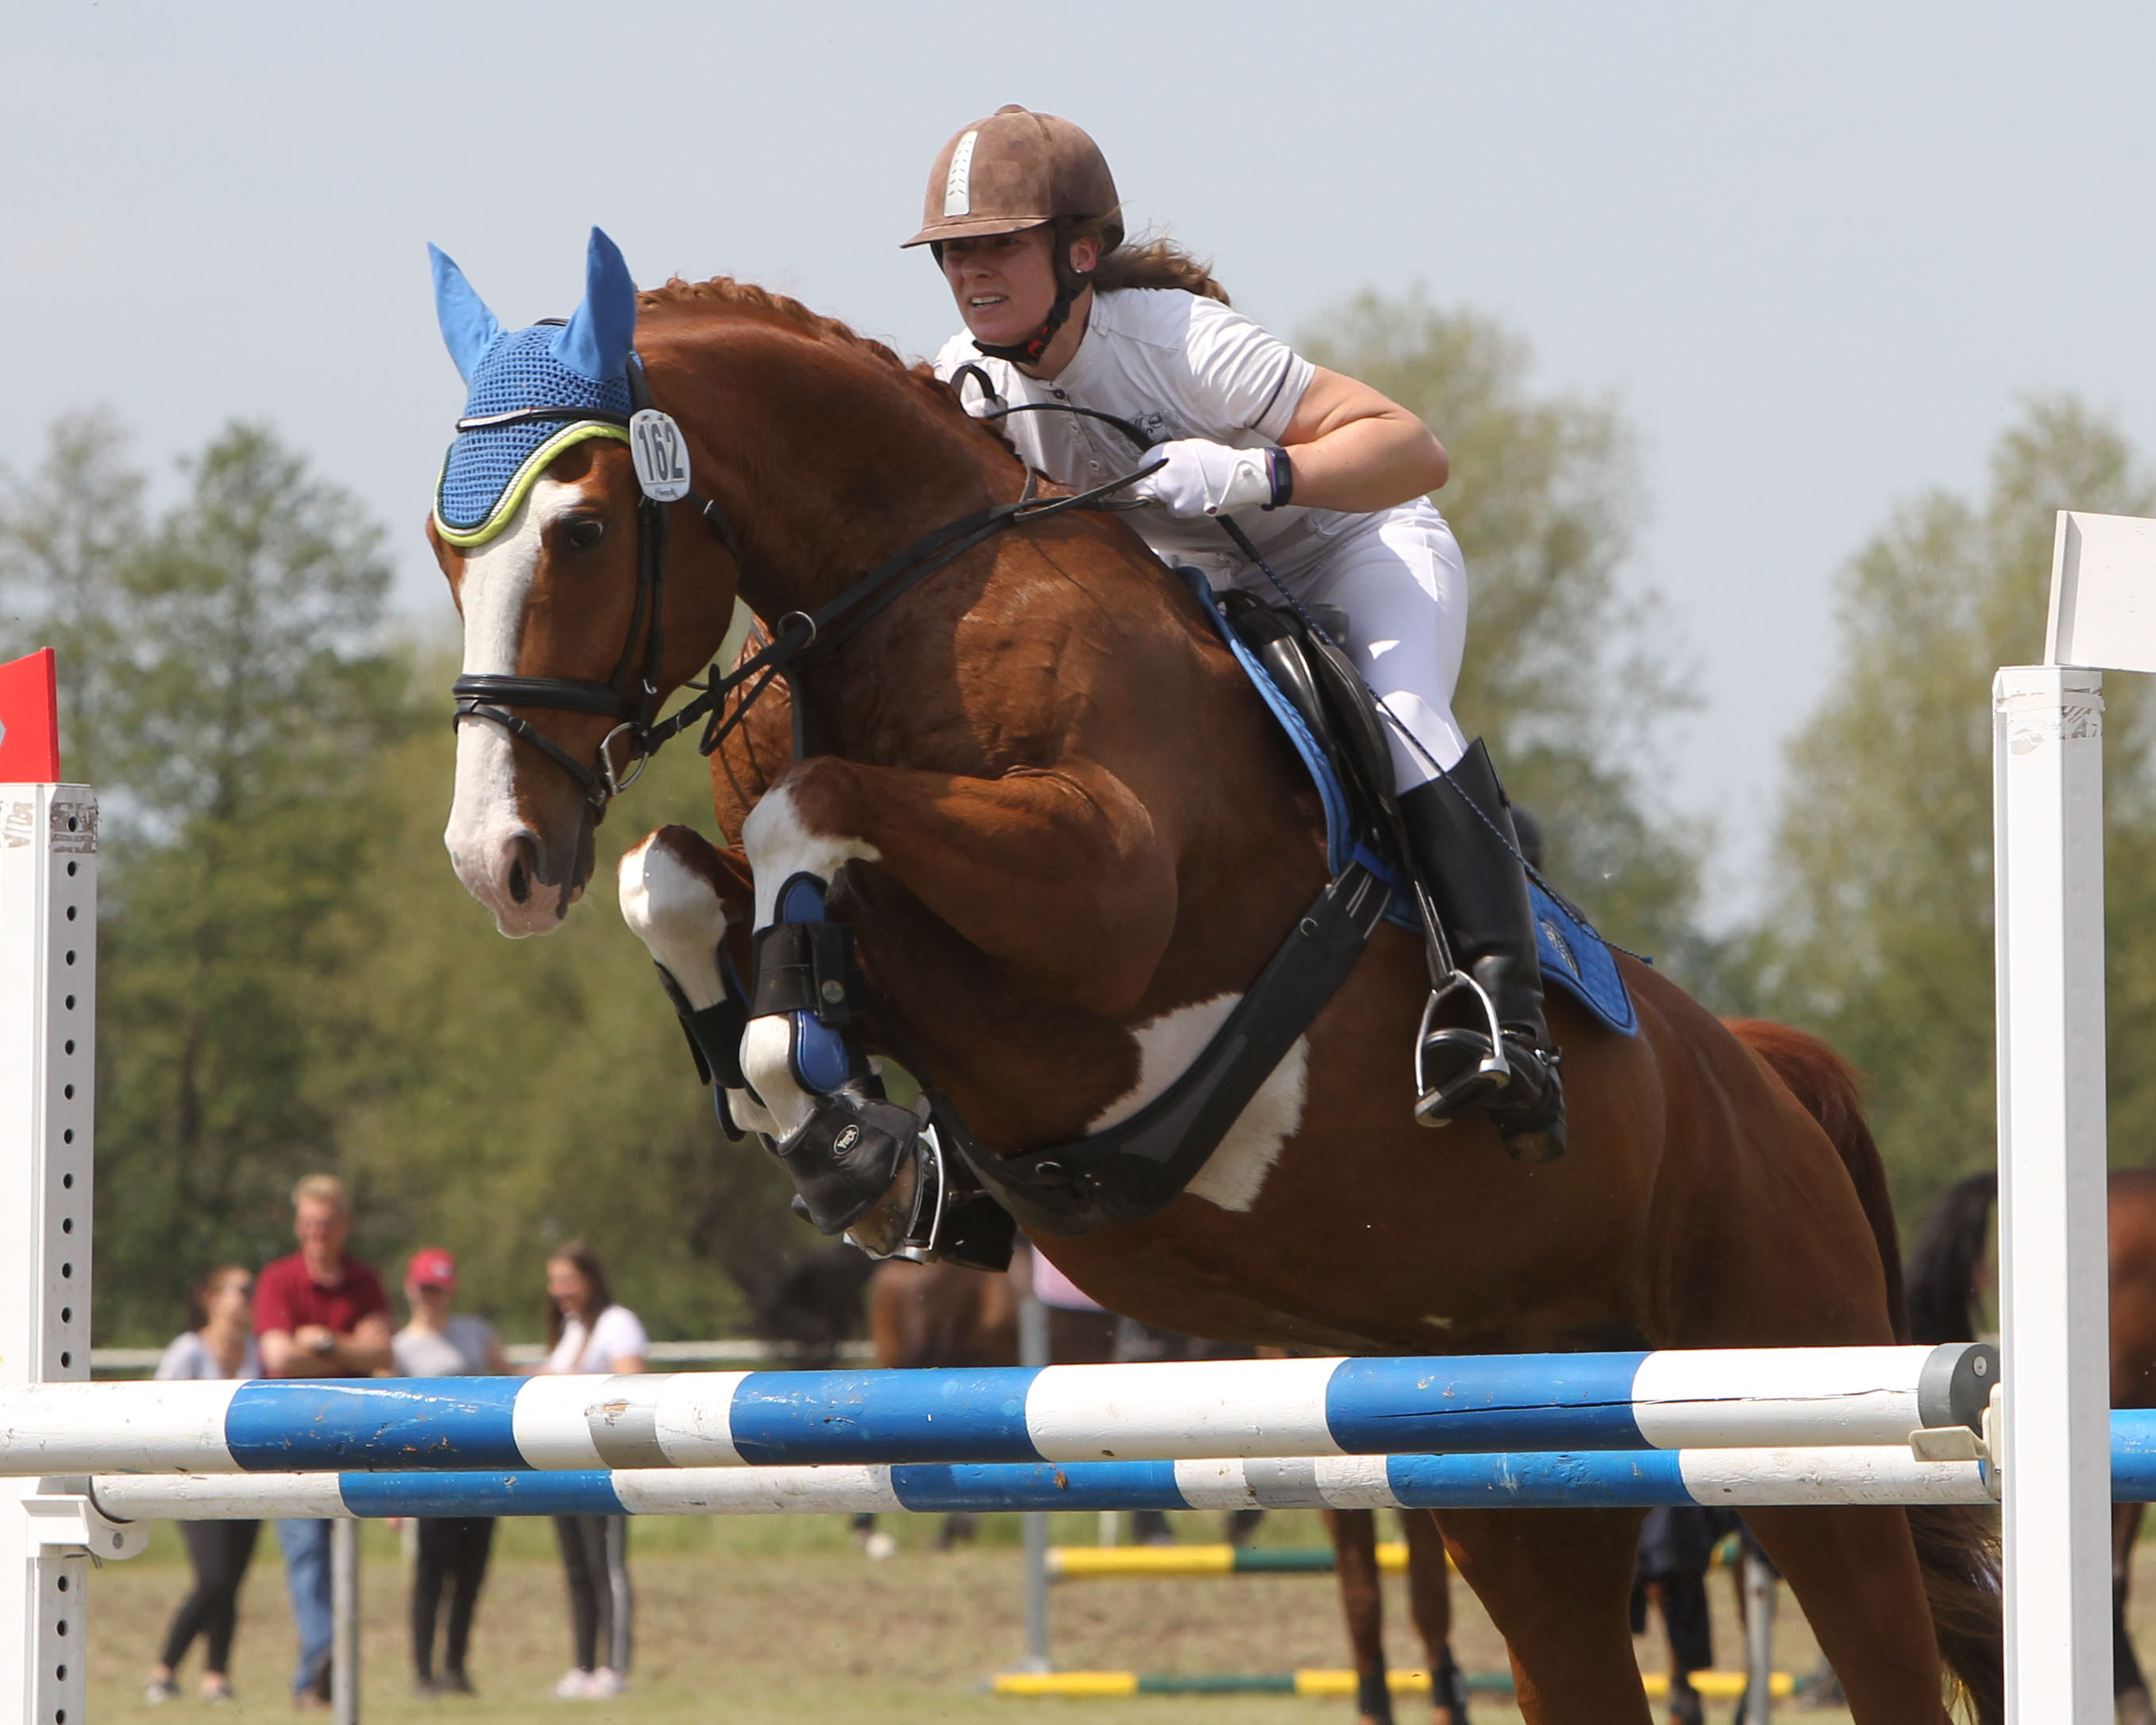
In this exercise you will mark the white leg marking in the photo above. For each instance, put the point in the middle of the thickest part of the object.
(779, 847)
(766, 1063)
(1235, 1173)
(484, 826)
(674, 912)
(750, 1114)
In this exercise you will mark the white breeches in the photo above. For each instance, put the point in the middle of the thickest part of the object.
(1399, 578)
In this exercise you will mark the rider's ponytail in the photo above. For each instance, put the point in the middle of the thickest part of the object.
(1157, 262)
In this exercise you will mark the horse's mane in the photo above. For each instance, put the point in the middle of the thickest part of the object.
(692, 297)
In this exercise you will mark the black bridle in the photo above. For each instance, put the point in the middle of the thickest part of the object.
(632, 696)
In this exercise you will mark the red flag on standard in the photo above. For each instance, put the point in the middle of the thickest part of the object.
(30, 721)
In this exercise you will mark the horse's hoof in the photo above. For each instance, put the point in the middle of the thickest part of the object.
(2134, 1708)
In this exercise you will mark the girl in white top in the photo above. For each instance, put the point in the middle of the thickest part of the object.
(220, 1345)
(585, 1332)
(1325, 476)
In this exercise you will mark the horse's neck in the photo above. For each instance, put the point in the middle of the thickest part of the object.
(837, 464)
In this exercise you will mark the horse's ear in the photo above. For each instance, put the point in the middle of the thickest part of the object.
(596, 341)
(467, 325)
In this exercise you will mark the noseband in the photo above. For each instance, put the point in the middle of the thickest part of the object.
(632, 696)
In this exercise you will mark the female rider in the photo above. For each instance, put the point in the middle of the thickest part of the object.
(1325, 475)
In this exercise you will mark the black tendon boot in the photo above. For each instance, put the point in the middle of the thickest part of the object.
(1476, 880)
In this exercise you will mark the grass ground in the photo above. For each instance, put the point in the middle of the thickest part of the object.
(760, 1620)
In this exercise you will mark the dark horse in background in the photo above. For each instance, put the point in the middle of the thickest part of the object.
(1067, 835)
(1948, 1269)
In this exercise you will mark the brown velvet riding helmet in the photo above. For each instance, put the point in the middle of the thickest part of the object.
(1016, 170)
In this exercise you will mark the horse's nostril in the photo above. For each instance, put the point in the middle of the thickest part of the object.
(519, 882)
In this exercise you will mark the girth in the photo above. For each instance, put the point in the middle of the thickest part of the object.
(1137, 1168)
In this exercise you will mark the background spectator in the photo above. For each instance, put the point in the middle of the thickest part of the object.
(318, 1314)
(585, 1332)
(453, 1549)
(218, 1343)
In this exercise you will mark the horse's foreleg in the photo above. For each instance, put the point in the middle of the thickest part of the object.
(1354, 1533)
(1060, 874)
(682, 896)
(1556, 1583)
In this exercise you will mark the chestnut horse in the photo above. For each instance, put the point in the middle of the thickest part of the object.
(1068, 836)
(1946, 1267)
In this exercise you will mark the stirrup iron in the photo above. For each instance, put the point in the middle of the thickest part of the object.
(1492, 1074)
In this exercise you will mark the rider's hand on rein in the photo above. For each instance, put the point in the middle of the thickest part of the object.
(1203, 478)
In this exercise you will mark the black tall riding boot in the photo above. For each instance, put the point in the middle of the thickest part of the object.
(1467, 857)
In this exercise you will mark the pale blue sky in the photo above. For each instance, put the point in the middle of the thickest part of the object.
(1816, 253)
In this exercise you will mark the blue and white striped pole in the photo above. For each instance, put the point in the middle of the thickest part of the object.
(1726, 1478)
(1718, 1399)
(1600, 1479)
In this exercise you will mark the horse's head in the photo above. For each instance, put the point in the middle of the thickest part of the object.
(554, 541)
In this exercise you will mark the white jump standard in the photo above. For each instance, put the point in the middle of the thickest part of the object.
(1722, 1398)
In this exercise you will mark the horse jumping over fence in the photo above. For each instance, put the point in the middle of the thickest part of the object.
(1033, 784)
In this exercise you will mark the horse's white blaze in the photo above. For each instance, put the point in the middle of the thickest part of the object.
(779, 847)
(673, 910)
(1235, 1173)
(485, 824)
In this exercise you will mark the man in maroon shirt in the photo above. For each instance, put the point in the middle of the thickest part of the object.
(318, 1314)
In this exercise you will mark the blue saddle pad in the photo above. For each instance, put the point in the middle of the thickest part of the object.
(1574, 956)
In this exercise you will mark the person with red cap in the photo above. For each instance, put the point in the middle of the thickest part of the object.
(439, 1342)
(1078, 335)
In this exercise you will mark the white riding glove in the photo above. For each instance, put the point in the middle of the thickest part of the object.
(1205, 478)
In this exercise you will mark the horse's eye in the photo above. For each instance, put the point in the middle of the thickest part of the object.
(585, 533)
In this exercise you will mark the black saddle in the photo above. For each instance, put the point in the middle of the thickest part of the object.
(1310, 667)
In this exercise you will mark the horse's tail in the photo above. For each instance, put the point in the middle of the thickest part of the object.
(1956, 1550)
(1943, 1263)
(1827, 1086)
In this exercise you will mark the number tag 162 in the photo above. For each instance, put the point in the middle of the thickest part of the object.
(661, 457)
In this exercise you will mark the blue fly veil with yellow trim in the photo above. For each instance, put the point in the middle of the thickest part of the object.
(579, 365)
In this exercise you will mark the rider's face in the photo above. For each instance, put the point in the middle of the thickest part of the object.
(1004, 283)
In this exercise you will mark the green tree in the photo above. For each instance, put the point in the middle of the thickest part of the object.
(69, 536)
(1880, 932)
(291, 977)
(240, 695)
(1541, 498)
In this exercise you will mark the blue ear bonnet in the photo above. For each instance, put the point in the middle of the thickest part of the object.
(489, 470)
(579, 364)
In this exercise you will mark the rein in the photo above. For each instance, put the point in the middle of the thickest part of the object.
(632, 695)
